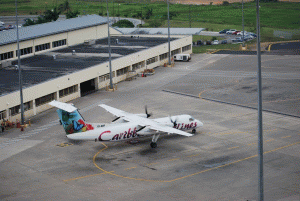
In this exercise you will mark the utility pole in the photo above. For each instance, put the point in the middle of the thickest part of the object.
(260, 121)
(109, 50)
(141, 15)
(19, 68)
(243, 23)
(190, 16)
(169, 46)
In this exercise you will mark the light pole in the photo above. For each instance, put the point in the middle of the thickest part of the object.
(109, 50)
(169, 46)
(190, 16)
(119, 12)
(260, 123)
(19, 68)
(243, 23)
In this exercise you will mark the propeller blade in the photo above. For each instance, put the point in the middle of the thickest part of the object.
(146, 111)
(174, 122)
(116, 119)
(141, 128)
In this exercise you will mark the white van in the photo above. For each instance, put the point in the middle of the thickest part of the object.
(182, 57)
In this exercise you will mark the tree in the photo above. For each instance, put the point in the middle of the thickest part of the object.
(72, 14)
(225, 3)
(123, 24)
(149, 13)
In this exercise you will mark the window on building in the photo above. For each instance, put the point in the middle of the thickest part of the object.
(6, 55)
(152, 60)
(105, 77)
(17, 109)
(123, 71)
(67, 91)
(186, 48)
(42, 47)
(138, 65)
(2, 114)
(59, 43)
(44, 99)
(25, 51)
(163, 56)
(177, 51)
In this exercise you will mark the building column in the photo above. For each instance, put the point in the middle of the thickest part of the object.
(34, 107)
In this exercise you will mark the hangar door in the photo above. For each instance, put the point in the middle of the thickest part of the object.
(87, 87)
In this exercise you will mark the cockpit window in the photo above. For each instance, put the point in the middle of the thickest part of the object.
(191, 119)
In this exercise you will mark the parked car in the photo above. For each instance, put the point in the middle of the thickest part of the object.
(10, 26)
(223, 31)
(2, 24)
(199, 42)
(253, 34)
(230, 31)
(208, 42)
(236, 32)
(224, 42)
(241, 33)
(215, 42)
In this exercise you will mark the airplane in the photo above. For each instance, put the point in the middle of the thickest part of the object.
(125, 127)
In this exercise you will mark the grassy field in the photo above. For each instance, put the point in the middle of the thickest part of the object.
(280, 15)
(273, 16)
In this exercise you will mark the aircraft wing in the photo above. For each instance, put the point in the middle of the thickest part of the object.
(63, 106)
(141, 121)
(169, 130)
(114, 111)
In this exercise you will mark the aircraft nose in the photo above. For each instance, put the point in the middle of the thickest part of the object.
(199, 123)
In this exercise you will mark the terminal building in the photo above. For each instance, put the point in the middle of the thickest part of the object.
(67, 59)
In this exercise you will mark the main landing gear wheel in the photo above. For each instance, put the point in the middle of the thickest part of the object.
(153, 145)
(154, 140)
(194, 131)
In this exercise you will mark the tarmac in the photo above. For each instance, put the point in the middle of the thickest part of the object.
(218, 163)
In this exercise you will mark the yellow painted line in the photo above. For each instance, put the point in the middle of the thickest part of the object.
(207, 170)
(130, 168)
(233, 147)
(92, 175)
(174, 159)
(252, 143)
(269, 140)
(286, 137)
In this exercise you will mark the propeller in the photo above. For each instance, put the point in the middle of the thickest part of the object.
(174, 122)
(116, 119)
(146, 111)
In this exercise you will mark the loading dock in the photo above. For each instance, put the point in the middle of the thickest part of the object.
(87, 87)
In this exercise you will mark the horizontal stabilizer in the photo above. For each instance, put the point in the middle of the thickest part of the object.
(63, 106)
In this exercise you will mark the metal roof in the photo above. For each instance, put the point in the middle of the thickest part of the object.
(43, 67)
(50, 28)
(163, 31)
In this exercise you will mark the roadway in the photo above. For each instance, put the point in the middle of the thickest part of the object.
(218, 163)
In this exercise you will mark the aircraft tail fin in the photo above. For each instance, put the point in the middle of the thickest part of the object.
(70, 118)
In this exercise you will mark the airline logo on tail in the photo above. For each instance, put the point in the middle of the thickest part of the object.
(73, 122)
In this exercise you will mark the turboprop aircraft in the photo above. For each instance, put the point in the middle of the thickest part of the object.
(126, 126)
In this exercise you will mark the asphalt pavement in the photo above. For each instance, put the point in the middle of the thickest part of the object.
(218, 163)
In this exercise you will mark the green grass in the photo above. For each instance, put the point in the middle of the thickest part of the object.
(280, 15)
(206, 48)
(273, 16)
